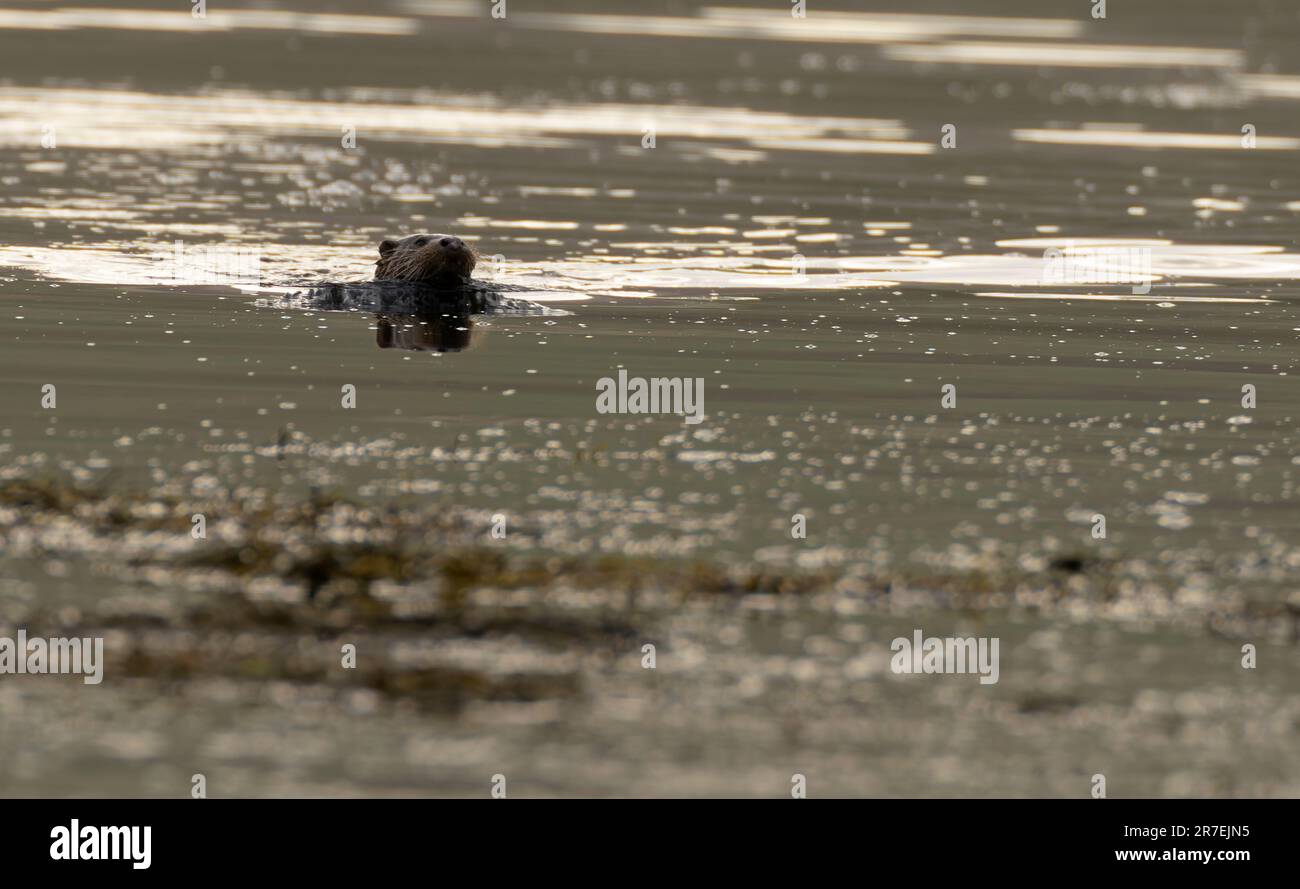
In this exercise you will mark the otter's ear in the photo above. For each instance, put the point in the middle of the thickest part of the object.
(387, 246)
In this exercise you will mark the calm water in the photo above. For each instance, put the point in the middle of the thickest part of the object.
(826, 220)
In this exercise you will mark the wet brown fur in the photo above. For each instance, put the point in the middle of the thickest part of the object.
(443, 260)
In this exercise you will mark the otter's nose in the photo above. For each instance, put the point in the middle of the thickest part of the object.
(452, 243)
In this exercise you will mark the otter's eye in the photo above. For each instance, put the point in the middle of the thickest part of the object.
(420, 242)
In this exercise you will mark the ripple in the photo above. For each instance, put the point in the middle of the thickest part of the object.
(215, 21)
(1068, 55)
(132, 120)
(726, 22)
(1131, 138)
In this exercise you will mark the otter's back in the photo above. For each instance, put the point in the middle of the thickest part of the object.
(475, 297)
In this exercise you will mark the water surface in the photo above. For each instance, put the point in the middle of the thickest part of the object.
(714, 192)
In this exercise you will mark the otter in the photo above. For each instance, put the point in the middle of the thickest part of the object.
(422, 295)
(421, 271)
(436, 260)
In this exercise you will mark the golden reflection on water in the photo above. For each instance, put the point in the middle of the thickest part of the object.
(715, 22)
(1068, 55)
(1122, 297)
(910, 26)
(129, 119)
(721, 22)
(758, 253)
(1134, 138)
(639, 273)
(1270, 86)
(215, 21)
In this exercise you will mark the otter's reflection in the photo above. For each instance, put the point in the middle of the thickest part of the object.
(430, 330)
(418, 317)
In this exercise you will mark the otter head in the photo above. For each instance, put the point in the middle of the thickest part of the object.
(443, 260)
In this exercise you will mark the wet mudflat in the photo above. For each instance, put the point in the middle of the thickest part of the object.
(761, 203)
